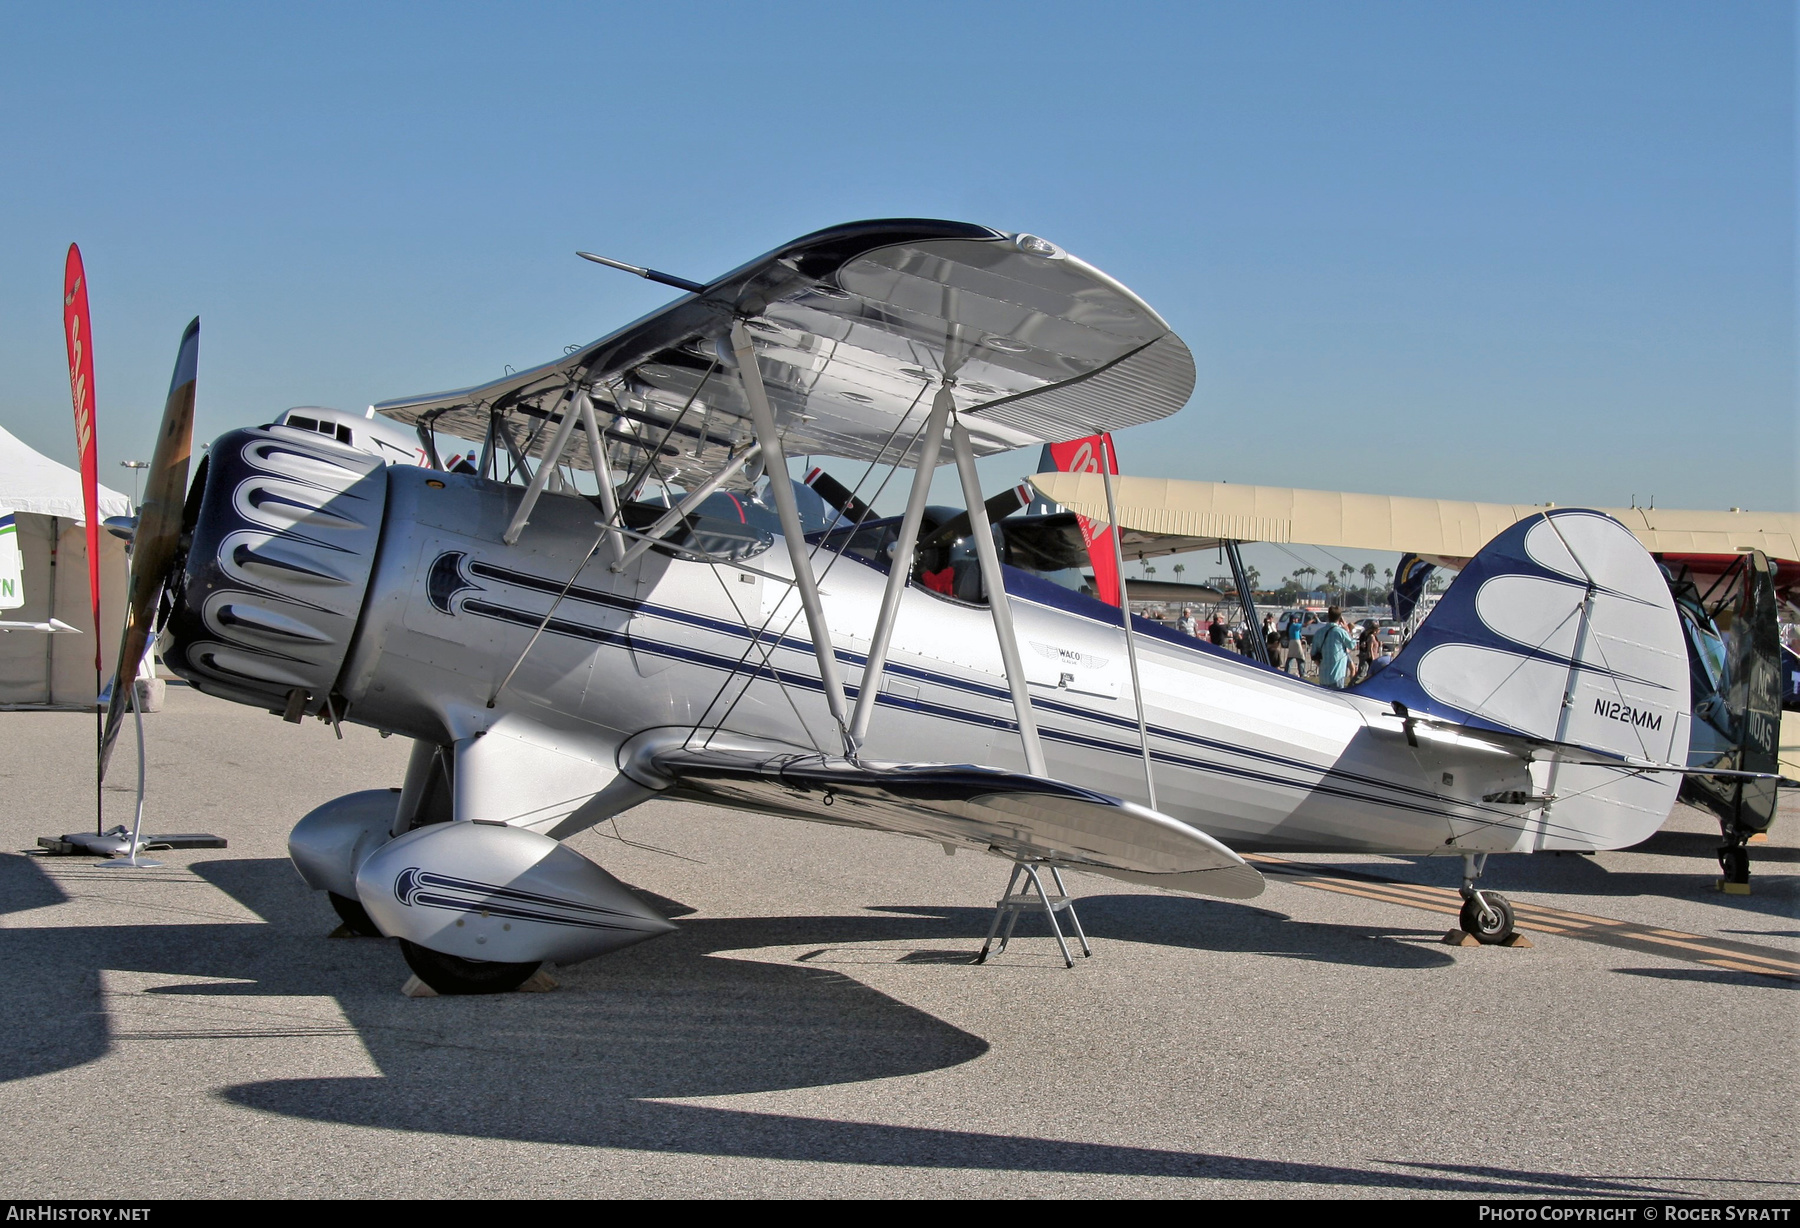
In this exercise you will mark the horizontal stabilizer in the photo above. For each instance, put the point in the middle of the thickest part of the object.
(1023, 817)
(1527, 747)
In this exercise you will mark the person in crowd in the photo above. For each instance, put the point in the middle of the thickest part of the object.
(1217, 631)
(1296, 644)
(1335, 648)
(1186, 625)
(1382, 660)
(1368, 647)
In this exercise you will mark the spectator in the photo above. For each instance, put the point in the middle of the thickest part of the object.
(1296, 644)
(1335, 648)
(1381, 662)
(1186, 625)
(1368, 647)
(1217, 631)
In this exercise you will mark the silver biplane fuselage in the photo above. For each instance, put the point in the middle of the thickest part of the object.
(1254, 757)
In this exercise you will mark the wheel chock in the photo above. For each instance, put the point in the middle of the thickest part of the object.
(343, 931)
(1459, 938)
(1731, 888)
(539, 982)
(1761, 837)
(1516, 939)
(415, 988)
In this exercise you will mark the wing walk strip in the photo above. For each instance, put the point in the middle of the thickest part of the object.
(1628, 935)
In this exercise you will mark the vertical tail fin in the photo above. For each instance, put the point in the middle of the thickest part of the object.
(1562, 630)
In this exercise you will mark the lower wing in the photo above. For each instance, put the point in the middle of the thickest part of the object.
(1026, 818)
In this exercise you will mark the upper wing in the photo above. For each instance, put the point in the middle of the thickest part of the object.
(856, 327)
(1020, 816)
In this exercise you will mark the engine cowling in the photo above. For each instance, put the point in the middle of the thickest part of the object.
(281, 550)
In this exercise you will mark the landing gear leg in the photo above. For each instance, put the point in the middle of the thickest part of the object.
(1734, 861)
(356, 920)
(1487, 916)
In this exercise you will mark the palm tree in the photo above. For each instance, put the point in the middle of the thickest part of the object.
(1368, 575)
(1179, 568)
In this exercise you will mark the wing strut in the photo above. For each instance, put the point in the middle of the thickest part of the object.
(998, 602)
(900, 569)
(1137, 687)
(547, 466)
(762, 418)
(609, 497)
(692, 500)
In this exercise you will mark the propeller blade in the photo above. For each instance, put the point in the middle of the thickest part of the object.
(998, 508)
(839, 496)
(158, 531)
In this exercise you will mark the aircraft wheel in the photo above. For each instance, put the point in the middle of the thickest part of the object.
(450, 974)
(1734, 861)
(355, 917)
(1488, 926)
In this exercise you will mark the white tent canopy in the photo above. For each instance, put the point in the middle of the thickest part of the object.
(57, 670)
(32, 482)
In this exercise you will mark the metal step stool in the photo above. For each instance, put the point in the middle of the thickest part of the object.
(1011, 905)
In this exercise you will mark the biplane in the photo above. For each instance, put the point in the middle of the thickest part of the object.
(614, 594)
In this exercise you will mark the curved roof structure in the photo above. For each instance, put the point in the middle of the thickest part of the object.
(1446, 528)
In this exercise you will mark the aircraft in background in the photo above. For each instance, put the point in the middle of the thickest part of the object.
(559, 655)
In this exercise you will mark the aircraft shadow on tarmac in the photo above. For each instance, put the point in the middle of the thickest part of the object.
(1714, 976)
(669, 1019)
(1210, 925)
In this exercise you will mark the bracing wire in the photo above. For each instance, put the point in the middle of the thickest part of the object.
(759, 632)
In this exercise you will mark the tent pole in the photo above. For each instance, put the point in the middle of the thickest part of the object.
(1247, 598)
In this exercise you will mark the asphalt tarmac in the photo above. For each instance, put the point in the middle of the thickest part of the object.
(815, 1029)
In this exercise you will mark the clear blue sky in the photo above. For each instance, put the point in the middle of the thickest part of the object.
(1511, 252)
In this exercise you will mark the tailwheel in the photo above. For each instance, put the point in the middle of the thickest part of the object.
(355, 917)
(1487, 916)
(450, 974)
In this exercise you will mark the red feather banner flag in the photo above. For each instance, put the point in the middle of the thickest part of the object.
(1086, 455)
(78, 333)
